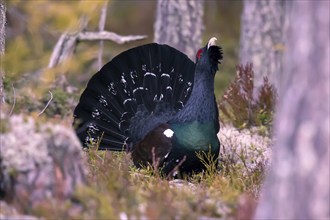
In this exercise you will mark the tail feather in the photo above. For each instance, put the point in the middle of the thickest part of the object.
(98, 110)
(165, 88)
(150, 90)
(135, 92)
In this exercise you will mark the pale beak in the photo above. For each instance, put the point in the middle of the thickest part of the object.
(211, 42)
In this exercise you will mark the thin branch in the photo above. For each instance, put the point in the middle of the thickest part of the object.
(66, 45)
(155, 162)
(101, 28)
(63, 49)
(106, 35)
(51, 98)
(14, 102)
(176, 168)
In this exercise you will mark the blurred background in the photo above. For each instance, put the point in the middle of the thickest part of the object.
(34, 27)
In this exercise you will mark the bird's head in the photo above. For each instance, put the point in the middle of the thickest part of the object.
(209, 56)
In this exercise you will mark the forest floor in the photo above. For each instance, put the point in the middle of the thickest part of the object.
(115, 189)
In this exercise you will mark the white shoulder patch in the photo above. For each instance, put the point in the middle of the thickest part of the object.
(168, 133)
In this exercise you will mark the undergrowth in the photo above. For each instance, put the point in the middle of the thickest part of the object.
(245, 106)
(116, 189)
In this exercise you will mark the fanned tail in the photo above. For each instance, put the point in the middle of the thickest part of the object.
(132, 94)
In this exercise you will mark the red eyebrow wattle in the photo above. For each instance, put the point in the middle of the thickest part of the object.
(199, 53)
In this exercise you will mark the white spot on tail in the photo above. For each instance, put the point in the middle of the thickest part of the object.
(112, 89)
(161, 97)
(123, 115)
(168, 133)
(89, 139)
(95, 113)
(123, 80)
(166, 75)
(150, 74)
(103, 101)
(166, 155)
(139, 88)
(126, 100)
(93, 128)
(169, 87)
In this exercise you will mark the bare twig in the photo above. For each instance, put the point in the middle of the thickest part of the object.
(68, 41)
(66, 45)
(176, 168)
(155, 161)
(106, 35)
(14, 101)
(63, 49)
(101, 28)
(51, 98)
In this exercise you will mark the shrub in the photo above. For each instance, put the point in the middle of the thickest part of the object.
(243, 106)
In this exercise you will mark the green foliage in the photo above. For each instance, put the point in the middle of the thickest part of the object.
(241, 107)
(208, 160)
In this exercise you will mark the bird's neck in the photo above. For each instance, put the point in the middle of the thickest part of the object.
(200, 106)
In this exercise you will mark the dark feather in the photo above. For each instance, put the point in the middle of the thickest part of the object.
(132, 94)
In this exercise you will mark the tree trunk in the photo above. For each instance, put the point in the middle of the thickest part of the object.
(179, 23)
(2, 48)
(261, 38)
(297, 185)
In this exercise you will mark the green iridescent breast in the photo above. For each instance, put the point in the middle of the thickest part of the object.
(196, 136)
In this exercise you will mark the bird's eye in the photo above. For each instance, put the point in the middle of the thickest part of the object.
(199, 54)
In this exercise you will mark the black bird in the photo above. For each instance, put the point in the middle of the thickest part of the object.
(156, 103)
